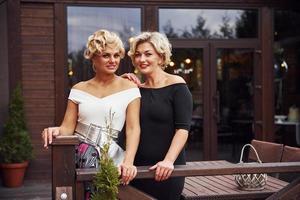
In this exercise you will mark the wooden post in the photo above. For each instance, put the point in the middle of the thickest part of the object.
(63, 167)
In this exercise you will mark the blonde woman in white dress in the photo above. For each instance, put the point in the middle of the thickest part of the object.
(91, 103)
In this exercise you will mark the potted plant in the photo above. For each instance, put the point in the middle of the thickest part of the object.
(15, 144)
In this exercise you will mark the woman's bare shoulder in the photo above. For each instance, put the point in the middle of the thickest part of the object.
(173, 79)
(126, 84)
(81, 85)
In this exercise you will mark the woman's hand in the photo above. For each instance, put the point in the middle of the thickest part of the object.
(128, 173)
(132, 77)
(48, 134)
(163, 170)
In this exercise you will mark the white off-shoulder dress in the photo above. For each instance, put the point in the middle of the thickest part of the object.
(95, 112)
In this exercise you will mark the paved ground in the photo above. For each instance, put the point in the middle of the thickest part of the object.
(33, 190)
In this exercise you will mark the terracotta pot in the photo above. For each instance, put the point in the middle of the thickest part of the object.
(13, 173)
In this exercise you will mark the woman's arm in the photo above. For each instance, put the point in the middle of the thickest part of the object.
(68, 125)
(66, 128)
(165, 167)
(177, 145)
(182, 108)
(132, 140)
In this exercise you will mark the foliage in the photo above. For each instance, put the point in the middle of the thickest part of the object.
(199, 31)
(244, 25)
(106, 180)
(169, 30)
(225, 29)
(15, 143)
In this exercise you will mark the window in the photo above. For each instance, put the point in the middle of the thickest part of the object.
(208, 23)
(84, 21)
(286, 61)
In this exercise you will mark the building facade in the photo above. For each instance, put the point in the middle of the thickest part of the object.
(240, 59)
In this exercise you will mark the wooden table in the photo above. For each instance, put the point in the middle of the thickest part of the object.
(224, 186)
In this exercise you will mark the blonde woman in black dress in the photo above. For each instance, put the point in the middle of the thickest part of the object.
(166, 110)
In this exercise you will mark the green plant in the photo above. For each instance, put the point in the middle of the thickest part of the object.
(106, 180)
(15, 143)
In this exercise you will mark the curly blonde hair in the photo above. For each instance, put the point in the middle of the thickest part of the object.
(97, 43)
(159, 41)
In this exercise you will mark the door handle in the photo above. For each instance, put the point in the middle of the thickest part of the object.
(258, 122)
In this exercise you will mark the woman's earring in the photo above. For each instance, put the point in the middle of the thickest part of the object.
(93, 66)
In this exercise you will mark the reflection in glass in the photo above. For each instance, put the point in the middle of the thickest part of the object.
(235, 98)
(188, 63)
(286, 24)
(208, 23)
(84, 21)
(286, 60)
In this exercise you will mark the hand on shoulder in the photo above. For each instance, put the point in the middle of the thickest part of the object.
(127, 84)
(131, 77)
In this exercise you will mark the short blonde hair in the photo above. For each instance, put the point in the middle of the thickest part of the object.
(97, 43)
(159, 41)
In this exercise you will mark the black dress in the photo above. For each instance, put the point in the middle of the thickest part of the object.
(163, 110)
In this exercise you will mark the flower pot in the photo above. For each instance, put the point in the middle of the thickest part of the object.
(13, 173)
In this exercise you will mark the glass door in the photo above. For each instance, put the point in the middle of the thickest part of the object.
(233, 100)
(221, 81)
(189, 63)
(228, 38)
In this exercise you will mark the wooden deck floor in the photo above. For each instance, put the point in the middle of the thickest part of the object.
(33, 190)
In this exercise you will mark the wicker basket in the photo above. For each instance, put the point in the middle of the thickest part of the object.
(250, 181)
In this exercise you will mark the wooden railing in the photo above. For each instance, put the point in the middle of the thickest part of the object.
(63, 168)
(68, 181)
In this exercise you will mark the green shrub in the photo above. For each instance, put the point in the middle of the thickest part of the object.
(15, 143)
(106, 180)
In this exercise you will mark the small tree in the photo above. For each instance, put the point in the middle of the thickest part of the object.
(106, 180)
(15, 143)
